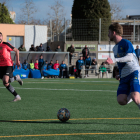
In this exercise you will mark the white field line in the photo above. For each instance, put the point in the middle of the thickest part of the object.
(63, 89)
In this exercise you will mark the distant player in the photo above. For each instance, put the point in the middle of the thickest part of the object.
(129, 70)
(6, 66)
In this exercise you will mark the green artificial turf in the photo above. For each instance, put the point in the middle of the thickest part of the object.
(95, 113)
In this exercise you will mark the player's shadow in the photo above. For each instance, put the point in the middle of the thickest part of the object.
(59, 122)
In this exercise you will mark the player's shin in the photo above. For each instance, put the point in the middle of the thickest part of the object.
(11, 89)
(129, 99)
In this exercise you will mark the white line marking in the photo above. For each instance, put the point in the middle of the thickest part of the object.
(63, 89)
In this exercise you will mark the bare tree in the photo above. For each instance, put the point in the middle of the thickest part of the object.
(116, 9)
(57, 15)
(6, 2)
(27, 11)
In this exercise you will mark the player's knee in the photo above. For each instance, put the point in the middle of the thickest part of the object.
(135, 96)
(5, 83)
(122, 101)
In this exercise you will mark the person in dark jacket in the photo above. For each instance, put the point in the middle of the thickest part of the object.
(58, 49)
(85, 52)
(71, 50)
(25, 65)
(40, 48)
(79, 65)
(41, 63)
(48, 49)
(22, 48)
(63, 69)
(32, 48)
(87, 65)
(137, 50)
(50, 65)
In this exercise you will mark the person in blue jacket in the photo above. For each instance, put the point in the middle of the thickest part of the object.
(79, 65)
(41, 63)
(137, 51)
(25, 65)
(63, 69)
(45, 65)
(18, 67)
(50, 65)
(87, 65)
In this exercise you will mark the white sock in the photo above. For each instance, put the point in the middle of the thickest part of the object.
(129, 99)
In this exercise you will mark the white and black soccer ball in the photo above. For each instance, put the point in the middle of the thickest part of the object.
(63, 114)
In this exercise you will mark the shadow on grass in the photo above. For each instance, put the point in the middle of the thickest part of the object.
(59, 122)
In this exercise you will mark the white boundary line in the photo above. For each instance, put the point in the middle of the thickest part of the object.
(63, 89)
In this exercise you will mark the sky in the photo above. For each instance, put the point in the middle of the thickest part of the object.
(130, 7)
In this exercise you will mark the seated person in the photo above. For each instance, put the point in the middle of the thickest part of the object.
(36, 64)
(75, 73)
(103, 70)
(50, 65)
(87, 65)
(18, 67)
(79, 66)
(63, 70)
(31, 65)
(45, 65)
(56, 65)
(94, 65)
(25, 65)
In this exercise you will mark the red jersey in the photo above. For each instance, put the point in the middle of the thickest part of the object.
(56, 66)
(36, 65)
(5, 54)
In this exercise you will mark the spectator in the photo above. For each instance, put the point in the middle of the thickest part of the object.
(79, 66)
(71, 50)
(45, 65)
(75, 72)
(18, 67)
(137, 50)
(22, 48)
(41, 63)
(32, 48)
(36, 64)
(48, 49)
(85, 52)
(58, 49)
(94, 65)
(87, 65)
(14, 65)
(63, 70)
(56, 65)
(40, 48)
(25, 65)
(103, 70)
(36, 48)
(50, 65)
(31, 64)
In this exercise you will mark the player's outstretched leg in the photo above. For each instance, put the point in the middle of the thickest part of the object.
(17, 78)
(136, 98)
(10, 88)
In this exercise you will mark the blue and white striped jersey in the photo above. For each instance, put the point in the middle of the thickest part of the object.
(122, 49)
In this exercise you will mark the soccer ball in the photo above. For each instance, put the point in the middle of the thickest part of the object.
(63, 114)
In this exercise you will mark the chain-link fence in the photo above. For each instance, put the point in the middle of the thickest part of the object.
(92, 30)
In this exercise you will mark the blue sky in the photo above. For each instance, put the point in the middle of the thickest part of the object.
(130, 7)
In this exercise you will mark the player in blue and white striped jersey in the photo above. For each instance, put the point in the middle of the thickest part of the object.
(129, 70)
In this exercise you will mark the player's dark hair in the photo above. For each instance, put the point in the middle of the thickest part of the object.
(116, 27)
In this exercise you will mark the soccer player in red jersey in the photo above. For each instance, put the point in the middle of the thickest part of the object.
(6, 67)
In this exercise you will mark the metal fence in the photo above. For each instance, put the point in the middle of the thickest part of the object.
(92, 30)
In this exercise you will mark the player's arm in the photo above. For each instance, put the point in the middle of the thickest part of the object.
(127, 58)
(17, 56)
